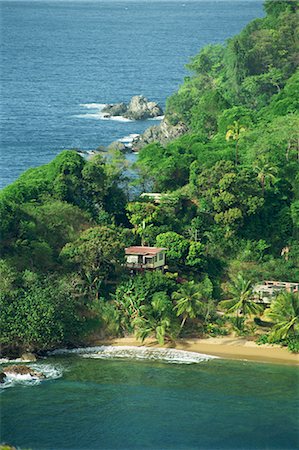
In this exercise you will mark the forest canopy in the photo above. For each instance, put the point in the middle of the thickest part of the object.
(228, 215)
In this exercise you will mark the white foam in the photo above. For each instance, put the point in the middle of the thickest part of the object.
(50, 372)
(98, 114)
(167, 355)
(129, 139)
(98, 106)
(156, 118)
(118, 119)
(7, 360)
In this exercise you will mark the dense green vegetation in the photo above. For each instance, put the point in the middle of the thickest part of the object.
(230, 207)
(235, 174)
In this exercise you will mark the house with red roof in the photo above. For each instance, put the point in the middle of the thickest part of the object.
(145, 258)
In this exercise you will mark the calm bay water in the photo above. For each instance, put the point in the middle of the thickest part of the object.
(129, 404)
(58, 55)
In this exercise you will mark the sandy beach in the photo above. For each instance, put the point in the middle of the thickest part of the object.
(225, 347)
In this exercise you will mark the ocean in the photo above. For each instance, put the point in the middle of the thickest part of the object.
(61, 60)
(120, 400)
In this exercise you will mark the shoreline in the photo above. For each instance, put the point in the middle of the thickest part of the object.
(225, 347)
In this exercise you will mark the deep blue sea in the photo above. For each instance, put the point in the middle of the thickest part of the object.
(57, 56)
(135, 404)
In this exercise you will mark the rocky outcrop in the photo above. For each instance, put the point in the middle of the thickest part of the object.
(22, 370)
(117, 145)
(139, 108)
(162, 133)
(119, 109)
(28, 357)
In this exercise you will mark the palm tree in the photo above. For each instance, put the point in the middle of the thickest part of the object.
(240, 291)
(284, 312)
(189, 302)
(156, 319)
(234, 132)
(265, 173)
(129, 302)
(144, 328)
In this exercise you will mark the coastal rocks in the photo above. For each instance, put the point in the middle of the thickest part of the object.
(22, 370)
(162, 133)
(119, 109)
(117, 145)
(2, 377)
(139, 108)
(28, 357)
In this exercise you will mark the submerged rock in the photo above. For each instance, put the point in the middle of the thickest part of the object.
(162, 133)
(117, 145)
(2, 377)
(5, 446)
(22, 370)
(28, 356)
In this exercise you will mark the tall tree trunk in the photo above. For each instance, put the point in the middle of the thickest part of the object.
(183, 321)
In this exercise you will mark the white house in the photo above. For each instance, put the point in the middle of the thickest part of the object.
(143, 258)
(264, 293)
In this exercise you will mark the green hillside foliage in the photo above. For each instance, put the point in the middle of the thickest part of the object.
(238, 165)
(229, 216)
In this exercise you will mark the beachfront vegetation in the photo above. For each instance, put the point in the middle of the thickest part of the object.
(229, 217)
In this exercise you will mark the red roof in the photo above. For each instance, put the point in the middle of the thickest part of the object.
(139, 250)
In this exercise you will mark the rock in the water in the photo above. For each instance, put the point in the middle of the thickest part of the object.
(22, 370)
(140, 109)
(116, 145)
(162, 133)
(4, 446)
(2, 377)
(28, 356)
(119, 109)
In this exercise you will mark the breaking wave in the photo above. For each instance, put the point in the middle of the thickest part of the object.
(156, 118)
(98, 114)
(128, 140)
(167, 355)
(50, 372)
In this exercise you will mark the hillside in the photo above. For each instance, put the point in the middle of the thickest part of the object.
(229, 217)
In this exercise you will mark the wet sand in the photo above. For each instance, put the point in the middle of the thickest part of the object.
(225, 347)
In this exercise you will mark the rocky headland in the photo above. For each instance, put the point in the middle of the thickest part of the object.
(139, 108)
(163, 133)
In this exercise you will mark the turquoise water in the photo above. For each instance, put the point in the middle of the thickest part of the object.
(130, 404)
(59, 55)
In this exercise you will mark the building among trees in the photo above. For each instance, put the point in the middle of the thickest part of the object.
(144, 258)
